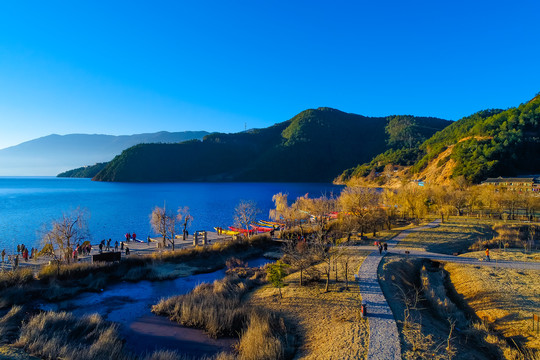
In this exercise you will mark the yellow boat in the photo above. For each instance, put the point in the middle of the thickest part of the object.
(226, 232)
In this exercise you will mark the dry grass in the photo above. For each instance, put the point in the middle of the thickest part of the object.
(215, 307)
(506, 297)
(17, 277)
(62, 335)
(508, 255)
(218, 308)
(328, 324)
(10, 324)
(453, 236)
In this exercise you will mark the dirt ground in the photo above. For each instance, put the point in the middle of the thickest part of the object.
(328, 324)
(506, 297)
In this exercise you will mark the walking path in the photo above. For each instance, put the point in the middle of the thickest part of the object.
(384, 343)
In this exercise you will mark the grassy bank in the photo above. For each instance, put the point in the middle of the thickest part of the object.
(57, 283)
(328, 325)
(506, 298)
(219, 308)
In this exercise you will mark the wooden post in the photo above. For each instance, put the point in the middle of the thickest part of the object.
(205, 238)
(195, 238)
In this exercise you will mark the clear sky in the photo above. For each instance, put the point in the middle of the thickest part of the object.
(124, 67)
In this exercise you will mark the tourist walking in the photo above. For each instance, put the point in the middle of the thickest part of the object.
(3, 254)
(487, 255)
(116, 246)
(16, 265)
(108, 245)
(127, 251)
(385, 247)
(380, 249)
(100, 248)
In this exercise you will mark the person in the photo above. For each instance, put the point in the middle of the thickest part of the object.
(134, 237)
(380, 249)
(148, 239)
(25, 254)
(3, 254)
(100, 247)
(108, 248)
(16, 265)
(385, 246)
(116, 246)
(128, 235)
(18, 248)
(75, 255)
(122, 246)
(487, 254)
(127, 251)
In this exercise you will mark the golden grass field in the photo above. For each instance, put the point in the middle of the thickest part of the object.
(454, 235)
(328, 324)
(507, 297)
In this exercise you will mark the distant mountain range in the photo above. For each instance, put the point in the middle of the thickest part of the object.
(52, 154)
(314, 146)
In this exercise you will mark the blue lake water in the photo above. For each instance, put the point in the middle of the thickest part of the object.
(27, 204)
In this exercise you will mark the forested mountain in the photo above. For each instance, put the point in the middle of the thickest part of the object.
(84, 172)
(486, 144)
(315, 145)
(52, 154)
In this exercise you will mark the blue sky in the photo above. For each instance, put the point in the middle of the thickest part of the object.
(116, 67)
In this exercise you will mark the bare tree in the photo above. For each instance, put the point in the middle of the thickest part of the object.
(64, 233)
(300, 255)
(246, 213)
(185, 217)
(165, 222)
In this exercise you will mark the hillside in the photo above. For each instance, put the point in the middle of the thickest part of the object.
(52, 154)
(84, 172)
(313, 146)
(489, 143)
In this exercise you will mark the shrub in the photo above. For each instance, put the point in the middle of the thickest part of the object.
(261, 340)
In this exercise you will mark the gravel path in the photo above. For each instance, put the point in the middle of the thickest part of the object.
(384, 343)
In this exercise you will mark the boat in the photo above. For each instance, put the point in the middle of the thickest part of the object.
(243, 231)
(271, 223)
(226, 232)
(261, 228)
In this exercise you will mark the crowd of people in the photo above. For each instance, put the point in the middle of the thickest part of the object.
(84, 249)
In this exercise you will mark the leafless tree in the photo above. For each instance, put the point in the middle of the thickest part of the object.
(64, 233)
(165, 222)
(246, 213)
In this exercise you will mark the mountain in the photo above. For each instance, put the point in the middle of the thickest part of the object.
(84, 172)
(486, 144)
(313, 146)
(52, 154)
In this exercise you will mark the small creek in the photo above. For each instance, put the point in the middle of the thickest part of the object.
(128, 304)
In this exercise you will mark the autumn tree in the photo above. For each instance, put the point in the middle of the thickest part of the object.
(360, 207)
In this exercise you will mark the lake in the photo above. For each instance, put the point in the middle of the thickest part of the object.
(27, 204)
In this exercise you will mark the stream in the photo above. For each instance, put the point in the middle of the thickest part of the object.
(128, 304)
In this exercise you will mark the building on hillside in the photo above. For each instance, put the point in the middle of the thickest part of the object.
(515, 184)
